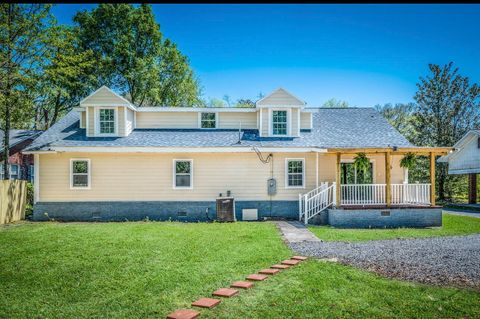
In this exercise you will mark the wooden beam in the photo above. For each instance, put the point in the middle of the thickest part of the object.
(432, 178)
(472, 188)
(388, 178)
(399, 151)
(338, 179)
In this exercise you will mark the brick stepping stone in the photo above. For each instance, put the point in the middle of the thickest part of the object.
(299, 258)
(278, 266)
(206, 303)
(242, 284)
(225, 292)
(290, 262)
(183, 314)
(269, 271)
(257, 277)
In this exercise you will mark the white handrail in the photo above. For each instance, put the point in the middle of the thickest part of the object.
(314, 203)
(375, 194)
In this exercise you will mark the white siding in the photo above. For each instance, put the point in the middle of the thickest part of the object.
(305, 120)
(231, 120)
(467, 159)
(167, 119)
(280, 97)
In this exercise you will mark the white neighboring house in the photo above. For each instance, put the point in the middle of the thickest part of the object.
(466, 160)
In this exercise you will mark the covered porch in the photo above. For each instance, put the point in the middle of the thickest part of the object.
(372, 196)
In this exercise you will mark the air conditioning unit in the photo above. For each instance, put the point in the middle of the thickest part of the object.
(249, 214)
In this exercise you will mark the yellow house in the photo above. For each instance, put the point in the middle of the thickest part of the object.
(111, 160)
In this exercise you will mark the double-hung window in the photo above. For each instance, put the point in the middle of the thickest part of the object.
(106, 121)
(295, 173)
(279, 122)
(182, 174)
(208, 120)
(80, 173)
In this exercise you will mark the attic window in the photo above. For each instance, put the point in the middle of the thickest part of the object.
(279, 122)
(107, 121)
(208, 120)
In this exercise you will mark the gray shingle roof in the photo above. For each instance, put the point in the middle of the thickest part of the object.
(332, 128)
(18, 136)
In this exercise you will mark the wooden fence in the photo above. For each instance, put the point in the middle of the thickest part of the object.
(13, 200)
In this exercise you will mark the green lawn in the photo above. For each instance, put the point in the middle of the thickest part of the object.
(146, 270)
(452, 225)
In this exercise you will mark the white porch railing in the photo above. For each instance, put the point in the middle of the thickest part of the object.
(413, 194)
(375, 194)
(363, 194)
(314, 202)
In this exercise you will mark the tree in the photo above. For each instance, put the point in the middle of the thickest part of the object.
(132, 57)
(447, 106)
(335, 103)
(400, 116)
(67, 75)
(22, 47)
(245, 103)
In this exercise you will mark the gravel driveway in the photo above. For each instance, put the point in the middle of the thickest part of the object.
(436, 260)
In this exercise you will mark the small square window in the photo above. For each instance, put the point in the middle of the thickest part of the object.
(208, 120)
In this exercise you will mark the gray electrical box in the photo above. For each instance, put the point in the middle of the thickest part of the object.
(272, 186)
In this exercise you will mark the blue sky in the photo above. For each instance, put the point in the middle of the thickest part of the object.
(364, 54)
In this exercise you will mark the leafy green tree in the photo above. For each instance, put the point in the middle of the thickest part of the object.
(133, 58)
(447, 106)
(67, 75)
(400, 116)
(335, 103)
(22, 48)
(245, 103)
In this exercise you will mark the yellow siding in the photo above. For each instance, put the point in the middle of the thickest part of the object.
(121, 121)
(125, 177)
(149, 177)
(91, 121)
(231, 120)
(83, 119)
(265, 122)
(305, 120)
(167, 120)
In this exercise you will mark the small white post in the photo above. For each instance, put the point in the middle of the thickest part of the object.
(334, 199)
(299, 207)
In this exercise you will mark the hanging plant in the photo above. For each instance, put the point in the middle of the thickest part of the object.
(408, 161)
(362, 163)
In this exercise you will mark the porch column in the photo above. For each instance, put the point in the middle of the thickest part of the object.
(472, 188)
(337, 179)
(432, 178)
(316, 170)
(388, 182)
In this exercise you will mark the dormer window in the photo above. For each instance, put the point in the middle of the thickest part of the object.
(279, 122)
(208, 120)
(106, 121)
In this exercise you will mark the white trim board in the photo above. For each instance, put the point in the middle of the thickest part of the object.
(150, 149)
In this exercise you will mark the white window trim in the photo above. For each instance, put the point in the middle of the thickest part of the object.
(289, 120)
(174, 175)
(89, 167)
(200, 120)
(372, 161)
(303, 173)
(86, 122)
(96, 116)
(10, 170)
